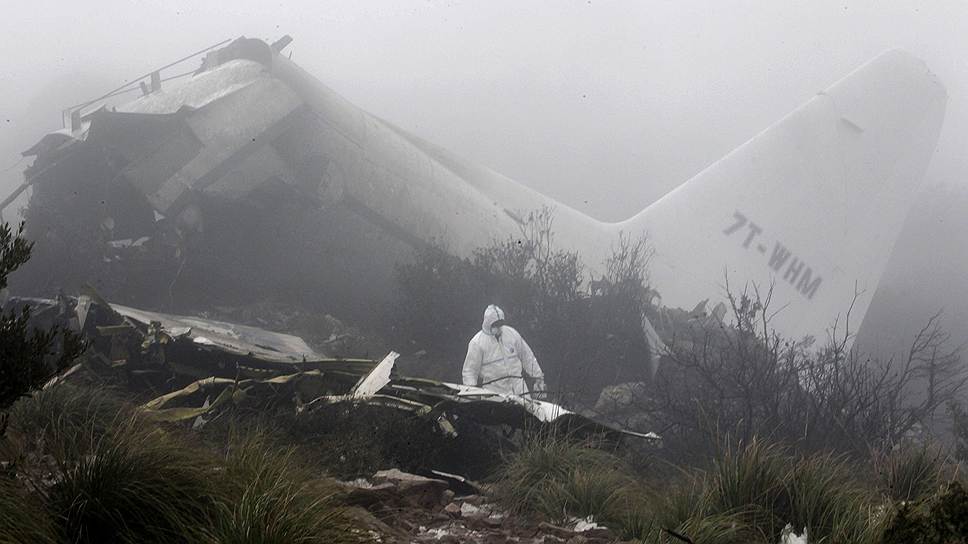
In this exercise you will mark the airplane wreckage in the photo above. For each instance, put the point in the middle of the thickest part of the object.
(247, 177)
(213, 366)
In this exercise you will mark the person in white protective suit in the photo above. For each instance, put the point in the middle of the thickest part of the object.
(499, 359)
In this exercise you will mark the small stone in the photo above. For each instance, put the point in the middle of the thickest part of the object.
(453, 510)
(469, 510)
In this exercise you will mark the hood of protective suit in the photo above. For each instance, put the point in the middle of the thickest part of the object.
(491, 314)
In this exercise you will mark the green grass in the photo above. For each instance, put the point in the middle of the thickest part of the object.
(89, 468)
(270, 497)
(558, 477)
(23, 517)
(821, 495)
(911, 473)
(66, 420)
(590, 492)
(941, 518)
(749, 494)
(138, 484)
(749, 480)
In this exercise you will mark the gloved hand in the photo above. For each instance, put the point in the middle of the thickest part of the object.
(539, 391)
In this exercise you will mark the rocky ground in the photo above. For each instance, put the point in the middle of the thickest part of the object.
(406, 508)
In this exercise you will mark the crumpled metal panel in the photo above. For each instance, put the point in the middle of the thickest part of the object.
(239, 339)
(199, 90)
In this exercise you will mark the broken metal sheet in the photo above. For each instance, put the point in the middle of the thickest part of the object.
(200, 90)
(238, 339)
(50, 142)
(128, 242)
(81, 309)
(204, 386)
(253, 368)
(546, 412)
(439, 401)
(171, 415)
(377, 379)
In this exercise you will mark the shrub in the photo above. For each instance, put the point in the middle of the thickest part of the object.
(959, 428)
(749, 480)
(589, 491)
(746, 380)
(943, 519)
(269, 497)
(138, 484)
(756, 489)
(822, 496)
(29, 356)
(556, 476)
(23, 517)
(67, 420)
(583, 340)
(910, 473)
(99, 472)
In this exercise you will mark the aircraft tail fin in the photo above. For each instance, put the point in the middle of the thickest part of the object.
(812, 205)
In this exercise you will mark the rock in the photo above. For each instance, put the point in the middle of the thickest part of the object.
(422, 492)
(601, 533)
(368, 521)
(448, 496)
(453, 510)
(367, 497)
(469, 510)
(359, 482)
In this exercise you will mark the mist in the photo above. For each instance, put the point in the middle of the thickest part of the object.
(604, 106)
(246, 305)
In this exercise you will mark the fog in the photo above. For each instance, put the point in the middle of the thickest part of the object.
(605, 106)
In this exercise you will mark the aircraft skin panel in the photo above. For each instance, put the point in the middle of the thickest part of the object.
(395, 178)
(812, 206)
(202, 89)
(225, 126)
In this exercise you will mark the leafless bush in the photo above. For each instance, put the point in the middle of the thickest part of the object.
(745, 380)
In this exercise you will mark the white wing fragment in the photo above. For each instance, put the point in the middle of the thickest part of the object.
(377, 379)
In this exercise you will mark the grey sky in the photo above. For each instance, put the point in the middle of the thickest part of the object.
(603, 105)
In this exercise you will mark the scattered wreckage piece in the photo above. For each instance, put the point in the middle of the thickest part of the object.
(213, 365)
(414, 508)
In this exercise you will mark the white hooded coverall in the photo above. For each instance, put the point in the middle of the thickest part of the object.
(500, 364)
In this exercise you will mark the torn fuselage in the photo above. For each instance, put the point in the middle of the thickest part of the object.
(219, 185)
